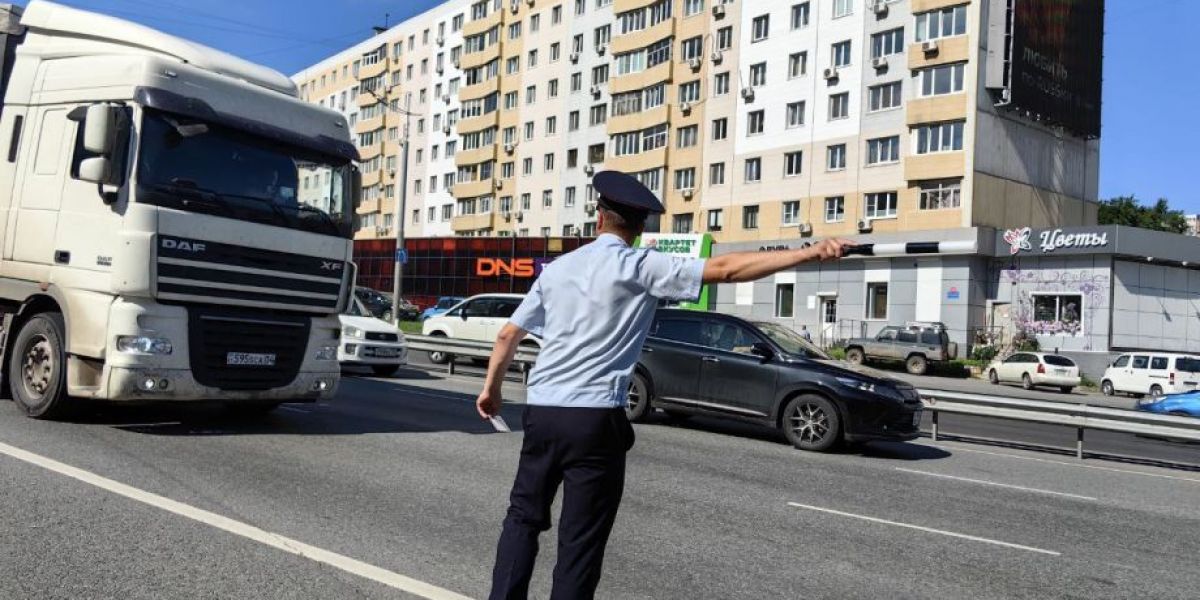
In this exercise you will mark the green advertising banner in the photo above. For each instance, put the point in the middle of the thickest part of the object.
(693, 245)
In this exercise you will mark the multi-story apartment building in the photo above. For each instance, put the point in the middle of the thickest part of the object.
(753, 120)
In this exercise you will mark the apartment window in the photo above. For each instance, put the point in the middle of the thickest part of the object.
(527, 167)
(569, 197)
(791, 212)
(548, 162)
(887, 43)
(750, 217)
(795, 114)
(507, 170)
(785, 299)
(721, 84)
(580, 6)
(691, 48)
(797, 64)
(720, 128)
(573, 121)
(725, 38)
(596, 154)
(880, 205)
(883, 150)
(877, 301)
(600, 75)
(556, 15)
(551, 125)
(716, 220)
(793, 163)
(598, 115)
(884, 96)
(555, 51)
(941, 80)
(835, 209)
(841, 54)
(417, 187)
(432, 214)
(681, 223)
(839, 106)
(525, 201)
(753, 170)
(756, 121)
(758, 74)
(451, 147)
(716, 174)
(691, 7)
(547, 198)
(602, 35)
(761, 28)
(514, 31)
(685, 179)
(576, 82)
(939, 137)
(456, 24)
(510, 135)
(936, 195)
(533, 58)
(689, 92)
(835, 157)
(942, 23)
(531, 94)
(416, 216)
(528, 130)
(535, 23)
(842, 8)
(686, 137)
(800, 13)
(512, 65)
(510, 100)
(552, 89)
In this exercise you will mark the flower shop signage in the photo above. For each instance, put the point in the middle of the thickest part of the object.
(1020, 240)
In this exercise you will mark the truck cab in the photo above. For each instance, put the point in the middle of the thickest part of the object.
(175, 223)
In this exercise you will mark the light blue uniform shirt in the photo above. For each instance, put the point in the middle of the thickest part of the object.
(593, 308)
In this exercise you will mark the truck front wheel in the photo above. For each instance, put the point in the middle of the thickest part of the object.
(37, 367)
(916, 364)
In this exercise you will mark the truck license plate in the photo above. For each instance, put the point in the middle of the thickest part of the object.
(249, 359)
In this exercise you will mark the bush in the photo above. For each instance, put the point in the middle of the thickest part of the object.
(836, 352)
(984, 353)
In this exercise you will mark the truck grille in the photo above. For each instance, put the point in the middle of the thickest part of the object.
(214, 273)
(382, 337)
(216, 334)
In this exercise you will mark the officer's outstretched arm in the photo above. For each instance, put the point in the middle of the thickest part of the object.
(752, 266)
(507, 342)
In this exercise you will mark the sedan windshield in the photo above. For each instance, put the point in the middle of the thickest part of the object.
(791, 342)
(191, 165)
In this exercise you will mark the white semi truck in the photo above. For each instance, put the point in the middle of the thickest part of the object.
(175, 223)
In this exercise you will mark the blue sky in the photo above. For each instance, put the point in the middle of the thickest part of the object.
(1149, 145)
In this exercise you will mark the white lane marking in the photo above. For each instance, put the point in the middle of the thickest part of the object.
(996, 484)
(925, 529)
(274, 540)
(1070, 464)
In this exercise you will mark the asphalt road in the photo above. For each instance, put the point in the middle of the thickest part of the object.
(400, 476)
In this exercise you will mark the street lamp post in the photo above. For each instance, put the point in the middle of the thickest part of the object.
(401, 208)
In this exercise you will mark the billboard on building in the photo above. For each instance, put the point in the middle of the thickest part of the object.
(1056, 62)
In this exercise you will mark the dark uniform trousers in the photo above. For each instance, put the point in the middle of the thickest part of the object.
(584, 450)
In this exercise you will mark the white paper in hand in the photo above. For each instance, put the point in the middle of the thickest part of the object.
(499, 424)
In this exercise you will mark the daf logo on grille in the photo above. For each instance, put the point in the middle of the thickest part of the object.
(331, 266)
(183, 245)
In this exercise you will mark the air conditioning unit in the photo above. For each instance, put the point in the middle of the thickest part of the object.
(601, 49)
(879, 7)
(529, 2)
(574, 57)
(595, 90)
(694, 64)
(929, 46)
(718, 10)
(687, 194)
(508, 148)
(457, 63)
(446, 129)
(515, 6)
(805, 228)
(717, 55)
(748, 93)
(589, 208)
(441, 40)
(588, 169)
(499, 184)
(520, 216)
(879, 62)
(830, 73)
(576, 231)
(685, 107)
(864, 225)
(506, 214)
(446, 98)
(440, 70)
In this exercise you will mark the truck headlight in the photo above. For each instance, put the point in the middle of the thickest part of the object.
(141, 344)
(352, 332)
(857, 384)
(326, 353)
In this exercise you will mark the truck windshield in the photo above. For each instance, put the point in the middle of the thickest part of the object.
(190, 165)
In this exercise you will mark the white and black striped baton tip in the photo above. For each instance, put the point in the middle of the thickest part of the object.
(907, 248)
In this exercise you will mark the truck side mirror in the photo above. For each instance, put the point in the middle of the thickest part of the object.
(99, 128)
(355, 195)
(96, 169)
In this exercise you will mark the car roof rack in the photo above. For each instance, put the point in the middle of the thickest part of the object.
(936, 325)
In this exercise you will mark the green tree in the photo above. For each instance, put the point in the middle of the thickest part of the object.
(1127, 210)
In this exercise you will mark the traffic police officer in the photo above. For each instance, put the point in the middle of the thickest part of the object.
(592, 308)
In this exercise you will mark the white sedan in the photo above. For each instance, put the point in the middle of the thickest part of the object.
(370, 342)
(1032, 369)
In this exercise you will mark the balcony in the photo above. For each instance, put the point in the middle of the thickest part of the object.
(920, 6)
(368, 206)
(636, 81)
(475, 59)
(368, 71)
(365, 125)
(638, 120)
(489, 21)
(473, 124)
(476, 156)
(479, 90)
(949, 50)
(941, 165)
(474, 222)
(620, 6)
(371, 178)
(936, 109)
(640, 39)
(473, 189)
(634, 163)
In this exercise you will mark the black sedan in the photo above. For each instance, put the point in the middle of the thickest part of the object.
(718, 365)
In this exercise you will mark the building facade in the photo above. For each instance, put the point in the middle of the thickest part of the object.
(752, 120)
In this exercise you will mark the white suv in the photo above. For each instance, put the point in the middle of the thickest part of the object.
(370, 342)
(1154, 373)
(478, 318)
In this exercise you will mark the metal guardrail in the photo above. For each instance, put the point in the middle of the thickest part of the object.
(525, 357)
(1079, 416)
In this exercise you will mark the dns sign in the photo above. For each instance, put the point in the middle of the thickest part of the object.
(497, 267)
